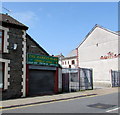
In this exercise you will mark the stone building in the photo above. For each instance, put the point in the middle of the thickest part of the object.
(16, 73)
(43, 75)
(12, 57)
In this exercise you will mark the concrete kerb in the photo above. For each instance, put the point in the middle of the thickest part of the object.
(54, 98)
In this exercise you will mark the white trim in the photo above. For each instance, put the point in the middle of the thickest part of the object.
(6, 37)
(113, 109)
(24, 64)
(4, 60)
(6, 75)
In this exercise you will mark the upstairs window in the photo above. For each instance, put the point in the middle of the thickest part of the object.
(1, 41)
(65, 62)
(73, 62)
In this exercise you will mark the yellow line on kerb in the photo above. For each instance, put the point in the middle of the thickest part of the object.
(54, 101)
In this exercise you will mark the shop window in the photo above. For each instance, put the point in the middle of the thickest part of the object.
(69, 66)
(73, 62)
(1, 75)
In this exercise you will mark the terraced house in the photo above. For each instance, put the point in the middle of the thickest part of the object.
(15, 73)
(13, 57)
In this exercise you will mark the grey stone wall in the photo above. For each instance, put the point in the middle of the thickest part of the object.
(15, 57)
(34, 48)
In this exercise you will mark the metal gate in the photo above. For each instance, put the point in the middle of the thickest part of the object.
(76, 79)
(115, 78)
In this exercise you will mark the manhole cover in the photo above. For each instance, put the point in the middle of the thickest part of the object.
(101, 106)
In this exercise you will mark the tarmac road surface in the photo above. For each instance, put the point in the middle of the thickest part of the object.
(107, 103)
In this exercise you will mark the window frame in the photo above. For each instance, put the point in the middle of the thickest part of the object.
(73, 62)
(2, 41)
(3, 74)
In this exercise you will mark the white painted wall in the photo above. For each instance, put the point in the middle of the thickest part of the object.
(70, 62)
(89, 54)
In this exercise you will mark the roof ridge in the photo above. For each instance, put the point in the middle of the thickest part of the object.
(7, 19)
(96, 25)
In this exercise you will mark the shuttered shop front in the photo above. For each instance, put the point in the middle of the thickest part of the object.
(41, 78)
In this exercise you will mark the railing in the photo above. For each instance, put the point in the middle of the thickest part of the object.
(115, 78)
(76, 79)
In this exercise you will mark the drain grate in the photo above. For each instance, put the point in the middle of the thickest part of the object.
(101, 106)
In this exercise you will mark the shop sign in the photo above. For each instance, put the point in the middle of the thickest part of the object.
(42, 60)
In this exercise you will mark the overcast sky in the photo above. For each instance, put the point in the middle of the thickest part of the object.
(60, 27)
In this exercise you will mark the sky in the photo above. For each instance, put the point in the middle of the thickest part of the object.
(60, 27)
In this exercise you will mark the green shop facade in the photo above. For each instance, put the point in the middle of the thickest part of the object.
(42, 75)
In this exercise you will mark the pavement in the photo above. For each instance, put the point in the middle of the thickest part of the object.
(49, 98)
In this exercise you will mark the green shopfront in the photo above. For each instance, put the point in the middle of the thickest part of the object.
(42, 75)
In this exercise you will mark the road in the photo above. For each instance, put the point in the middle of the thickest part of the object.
(94, 104)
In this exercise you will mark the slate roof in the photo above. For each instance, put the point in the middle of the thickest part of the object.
(10, 21)
(72, 53)
(28, 36)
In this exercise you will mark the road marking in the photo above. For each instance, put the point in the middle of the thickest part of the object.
(113, 109)
(47, 103)
(51, 102)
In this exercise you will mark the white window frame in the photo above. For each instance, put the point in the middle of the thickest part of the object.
(6, 36)
(6, 74)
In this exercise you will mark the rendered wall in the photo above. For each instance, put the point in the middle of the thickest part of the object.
(99, 43)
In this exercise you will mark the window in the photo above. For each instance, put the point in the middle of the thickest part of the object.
(69, 66)
(1, 74)
(68, 62)
(73, 62)
(1, 40)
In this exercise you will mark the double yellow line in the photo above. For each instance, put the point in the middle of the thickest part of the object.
(52, 101)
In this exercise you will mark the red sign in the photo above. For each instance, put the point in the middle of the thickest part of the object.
(110, 55)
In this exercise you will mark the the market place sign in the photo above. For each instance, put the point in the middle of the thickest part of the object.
(42, 60)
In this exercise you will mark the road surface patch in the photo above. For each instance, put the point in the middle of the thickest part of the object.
(101, 106)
